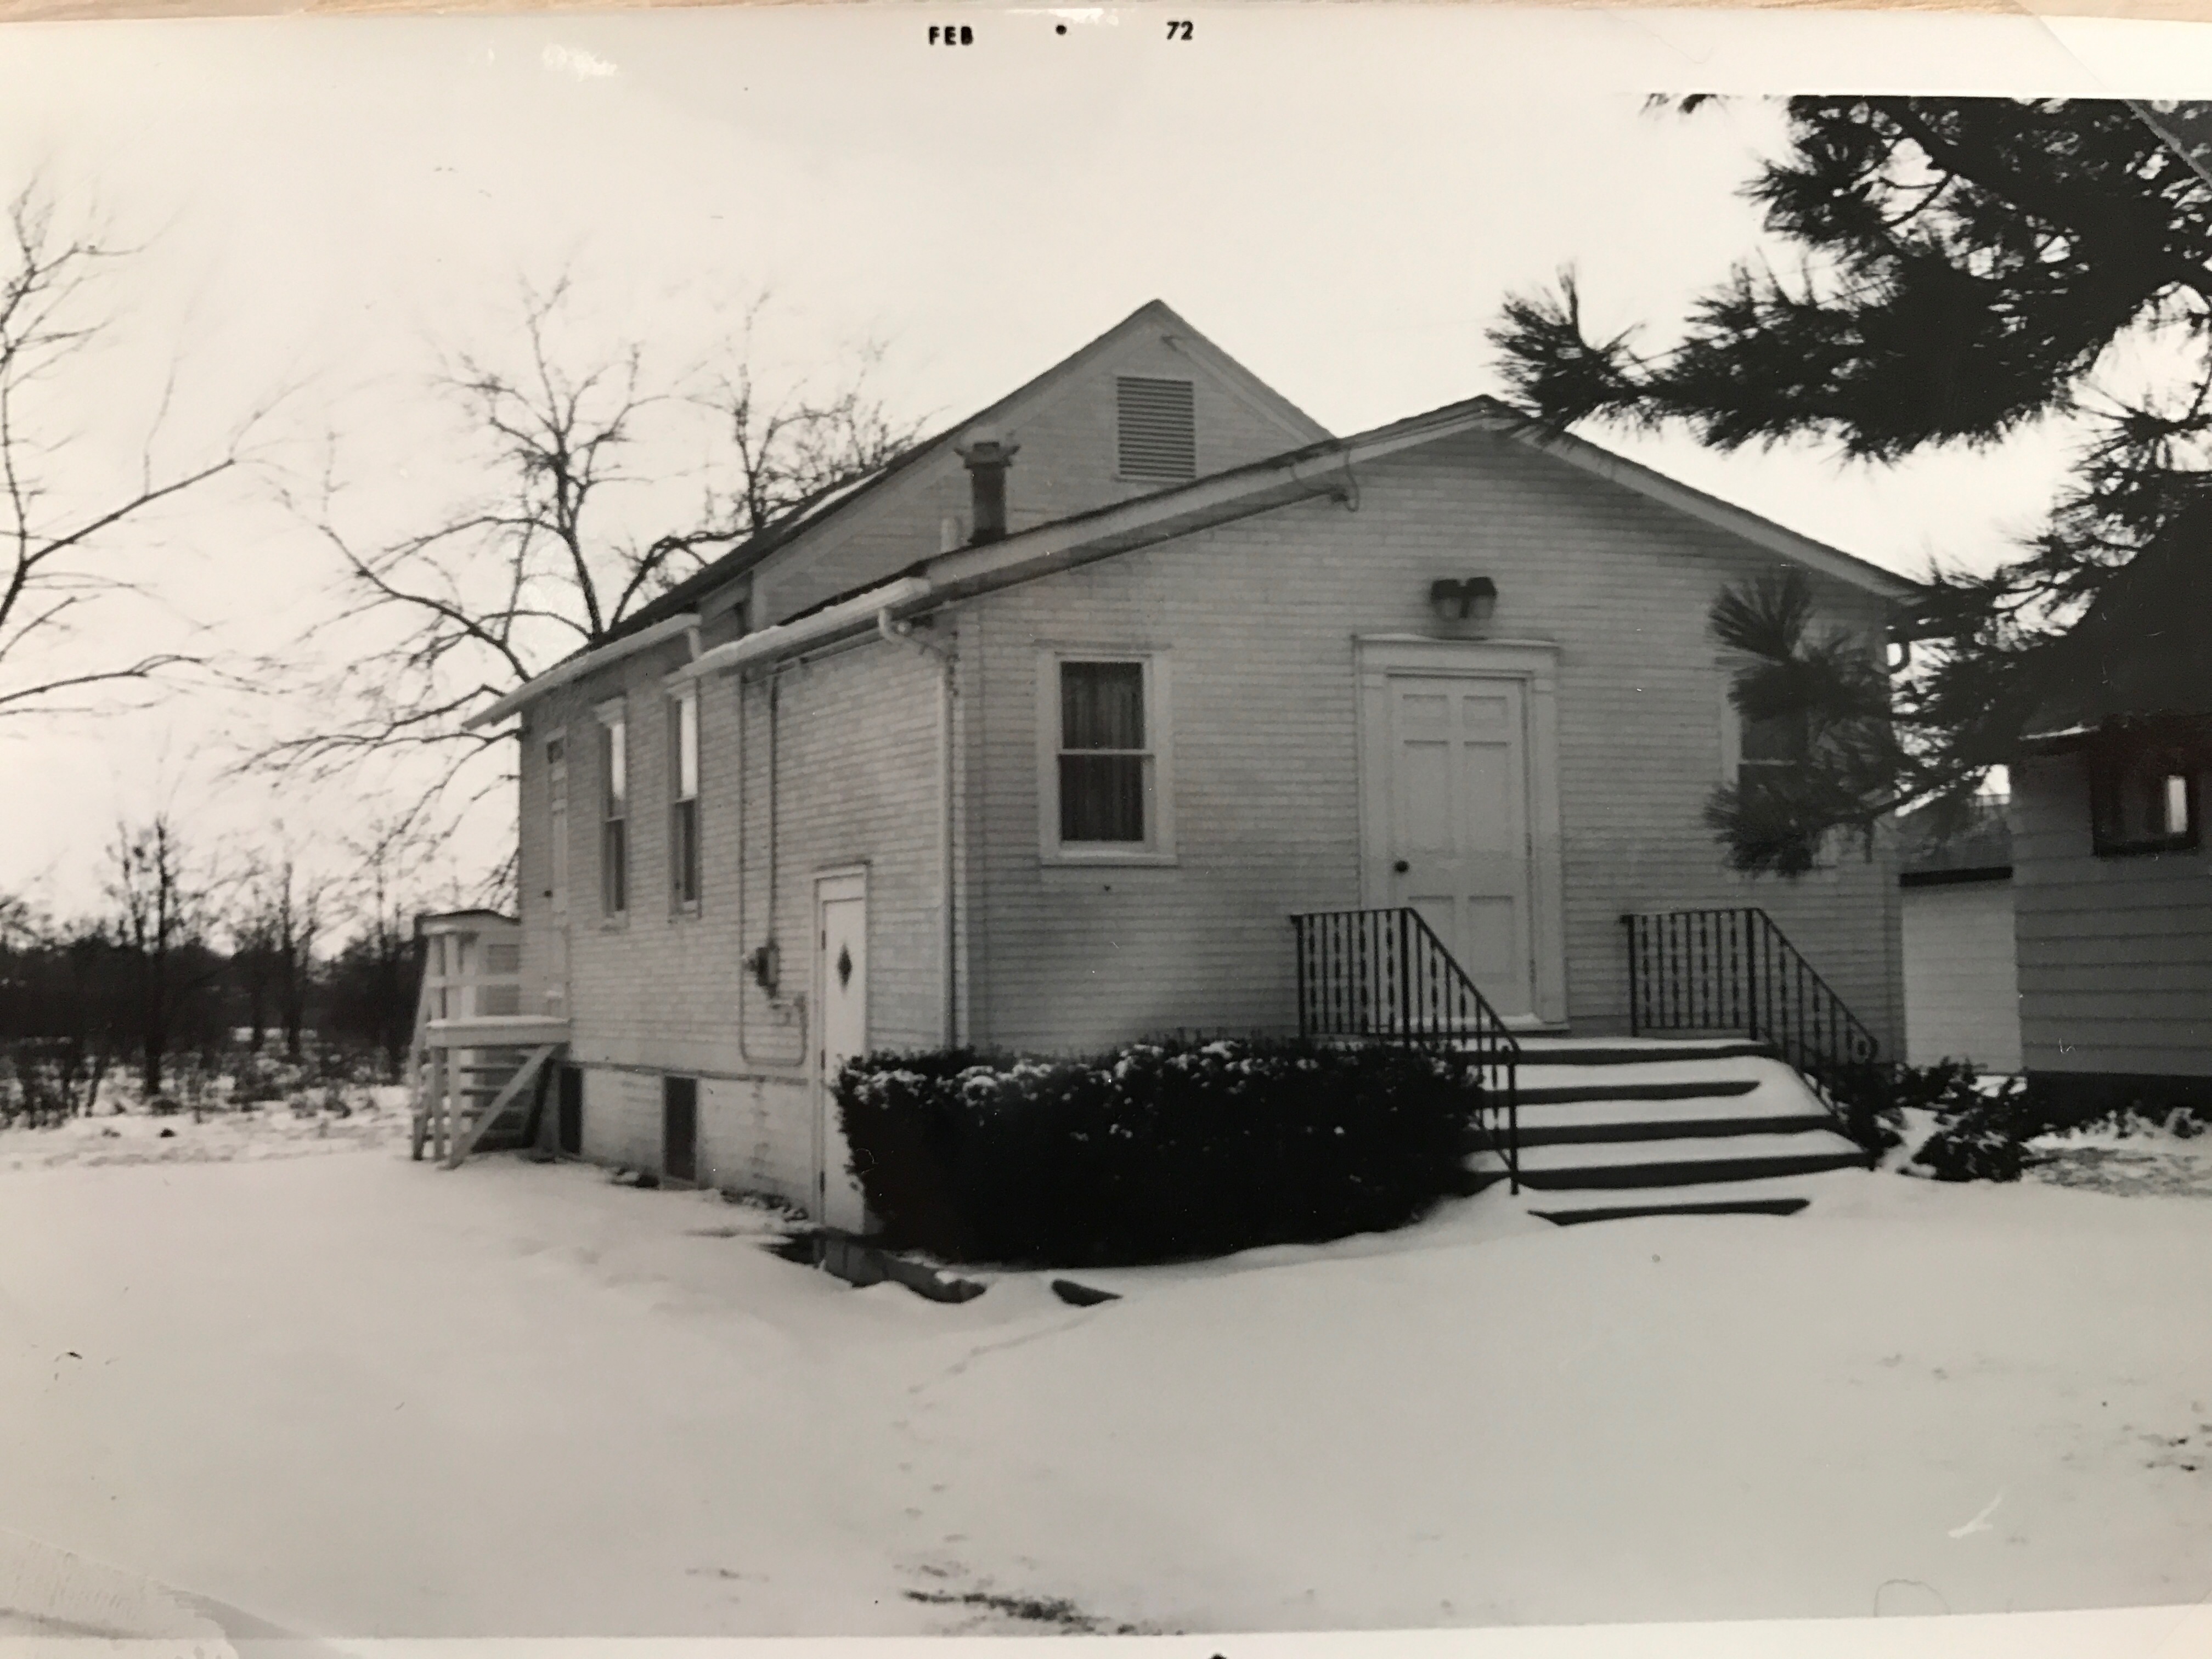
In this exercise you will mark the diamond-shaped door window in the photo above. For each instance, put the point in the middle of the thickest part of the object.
(844, 966)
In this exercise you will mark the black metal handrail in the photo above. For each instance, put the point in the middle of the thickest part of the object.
(1384, 976)
(1731, 971)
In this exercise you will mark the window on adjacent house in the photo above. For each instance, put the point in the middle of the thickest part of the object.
(1158, 426)
(684, 797)
(614, 811)
(2143, 799)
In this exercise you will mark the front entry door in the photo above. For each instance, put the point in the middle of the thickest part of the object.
(842, 993)
(1458, 820)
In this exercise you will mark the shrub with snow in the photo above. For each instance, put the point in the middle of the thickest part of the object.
(1158, 1151)
(1981, 1134)
(1872, 1097)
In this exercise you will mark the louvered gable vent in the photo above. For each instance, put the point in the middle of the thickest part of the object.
(1159, 429)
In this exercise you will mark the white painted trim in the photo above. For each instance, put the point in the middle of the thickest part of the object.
(1587, 457)
(847, 616)
(1159, 845)
(1534, 662)
(577, 667)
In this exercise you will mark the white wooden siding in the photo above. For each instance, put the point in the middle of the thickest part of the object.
(1067, 465)
(661, 992)
(1260, 615)
(2115, 954)
(1961, 976)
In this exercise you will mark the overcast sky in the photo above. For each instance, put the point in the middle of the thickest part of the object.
(1340, 196)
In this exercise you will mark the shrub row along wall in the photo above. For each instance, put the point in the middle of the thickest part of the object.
(1157, 1152)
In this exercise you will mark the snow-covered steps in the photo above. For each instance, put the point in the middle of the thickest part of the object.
(1627, 1051)
(1646, 1127)
(1704, 1206)
(1684, 1161)
(1683, 1118)
(1597, 1086)
(1770, 1196)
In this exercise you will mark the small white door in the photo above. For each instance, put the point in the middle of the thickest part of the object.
(556, 832)
(1458, 843)
(841, 994)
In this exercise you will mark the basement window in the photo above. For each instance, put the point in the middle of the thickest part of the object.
(2143, 799)
(1156, 426)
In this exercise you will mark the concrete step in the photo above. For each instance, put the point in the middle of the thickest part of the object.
(1742, 1106)
(1637, 1051)
(1678, 1161)
(1545, 1131)
(1602, 1086)
(1758, 1195)
(1569, 1218)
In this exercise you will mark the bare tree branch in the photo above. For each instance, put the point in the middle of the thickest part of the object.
(551, 558)
(53, 528)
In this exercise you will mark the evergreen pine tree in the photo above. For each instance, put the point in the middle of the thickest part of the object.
(1968, 267)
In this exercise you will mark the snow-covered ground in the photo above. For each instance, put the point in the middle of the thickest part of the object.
(362, 1396)
(275, 1129)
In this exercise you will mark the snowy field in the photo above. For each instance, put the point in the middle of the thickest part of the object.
(366, 1397)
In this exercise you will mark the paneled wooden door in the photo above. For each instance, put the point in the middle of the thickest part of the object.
(1457, 815)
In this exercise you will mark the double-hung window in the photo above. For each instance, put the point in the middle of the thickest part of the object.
(1771, 750)
(1759, 756)
(2142, 797)
(614, 809)
(1103, 721)
(557, 815)
(684, 797)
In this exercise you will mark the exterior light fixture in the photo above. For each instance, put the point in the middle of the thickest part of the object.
(1473, 599)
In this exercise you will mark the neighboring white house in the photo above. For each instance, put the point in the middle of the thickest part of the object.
(1961, 966)
(2113, 883)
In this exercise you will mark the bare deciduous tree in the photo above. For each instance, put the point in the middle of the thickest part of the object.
(544, 564)
(372, 978)
(164, 912)
(279, 922)
(54, 527)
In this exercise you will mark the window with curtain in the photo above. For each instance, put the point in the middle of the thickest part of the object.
(683, 799)
(614, 813)
(1105, 761)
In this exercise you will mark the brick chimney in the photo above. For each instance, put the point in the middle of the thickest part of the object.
(988, 459)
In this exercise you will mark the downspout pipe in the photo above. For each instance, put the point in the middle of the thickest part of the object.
(903, 633)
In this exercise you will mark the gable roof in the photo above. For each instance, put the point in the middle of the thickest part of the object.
(1740, 522)
(1324, 468)
(821, 507)
(2138, 651)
